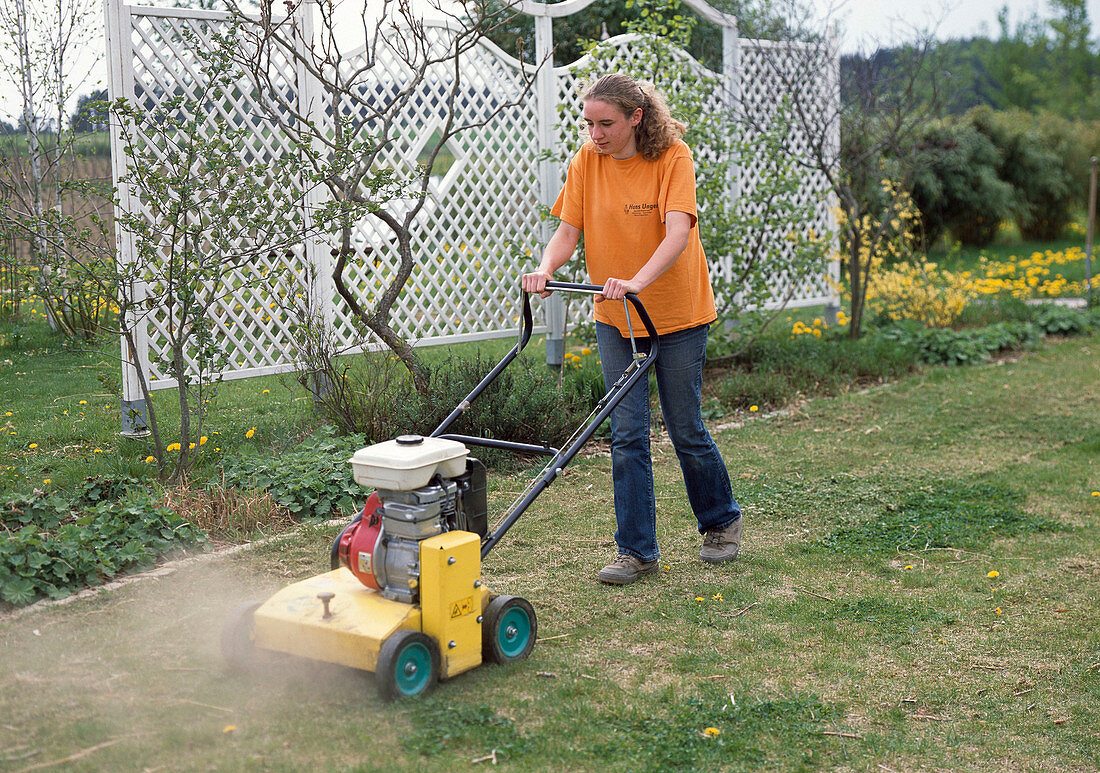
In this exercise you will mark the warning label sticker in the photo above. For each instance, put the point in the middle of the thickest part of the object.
(365, 563)
(462, 607)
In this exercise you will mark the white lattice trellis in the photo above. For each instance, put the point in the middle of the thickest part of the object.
(481, 222)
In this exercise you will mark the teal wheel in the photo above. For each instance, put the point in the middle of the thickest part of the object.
(508, 630)
(408, 664)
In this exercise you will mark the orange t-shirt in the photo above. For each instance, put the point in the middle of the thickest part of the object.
(621, 204)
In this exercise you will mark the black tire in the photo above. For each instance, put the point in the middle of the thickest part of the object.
(408, 665)
(239, 651)
(508, 630)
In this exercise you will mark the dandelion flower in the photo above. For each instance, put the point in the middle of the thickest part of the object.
(993, 574)
(250, 433)
(229, 729)
(754, 408)
(33, 446)
(1095, 493)
(9, 414)
(173, 447)
(150, 459)
(266, 392)
(98, 451)
(716, 597)
(83, 402)
(202, 440)
(712, 732)
(699, 598)
(586, 351)
(998, 610)
(909, 566)
(46, 482)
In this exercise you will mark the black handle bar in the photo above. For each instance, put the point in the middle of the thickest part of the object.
(638, 370)
(524, 338)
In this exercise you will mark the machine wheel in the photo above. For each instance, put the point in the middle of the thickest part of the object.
(508, 630)
(408, 664)
(237, 647)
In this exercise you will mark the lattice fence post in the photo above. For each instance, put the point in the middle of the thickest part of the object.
(135, 361)
(318, 251)
(832, 102)
(547, 95)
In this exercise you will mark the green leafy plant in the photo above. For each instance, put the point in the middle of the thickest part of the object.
(54, 545)
(311, 481)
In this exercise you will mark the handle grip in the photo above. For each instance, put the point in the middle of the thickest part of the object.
(591, 289)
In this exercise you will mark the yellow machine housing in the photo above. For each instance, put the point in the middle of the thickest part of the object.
(359, 619)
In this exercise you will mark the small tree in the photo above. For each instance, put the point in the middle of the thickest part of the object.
(200, 221)
(48, 46)
(885, 107)
(370, 101)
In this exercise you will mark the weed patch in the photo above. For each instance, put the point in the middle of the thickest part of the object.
(312, 481)
(442, 726)
(939, 515)
(720, 730)
(55, 545)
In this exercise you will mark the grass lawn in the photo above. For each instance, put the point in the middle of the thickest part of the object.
(917, 591)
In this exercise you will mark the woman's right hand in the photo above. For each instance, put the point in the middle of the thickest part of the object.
(535, 282)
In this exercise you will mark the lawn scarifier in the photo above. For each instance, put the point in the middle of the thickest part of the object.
(404, 597)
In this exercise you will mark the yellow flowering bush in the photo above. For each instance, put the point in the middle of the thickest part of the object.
(1031, 276)
(919, 290)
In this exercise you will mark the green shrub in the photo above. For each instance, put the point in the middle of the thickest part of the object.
(54, 545)
(944, 346)
(957, 187)
(527, 403)
(1055, 319)
(368, 394)
(312, 481)
(1034, 160)
(774, 371)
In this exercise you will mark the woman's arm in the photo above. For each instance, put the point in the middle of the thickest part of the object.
(677, 228)
(557, 253)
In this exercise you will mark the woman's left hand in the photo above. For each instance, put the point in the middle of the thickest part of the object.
(616, 289)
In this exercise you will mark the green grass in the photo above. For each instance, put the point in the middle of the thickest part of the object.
(859, 630)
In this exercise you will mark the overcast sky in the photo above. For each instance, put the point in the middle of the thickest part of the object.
(869, 23)
(866, 25)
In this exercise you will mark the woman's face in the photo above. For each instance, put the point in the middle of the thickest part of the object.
(610, 129)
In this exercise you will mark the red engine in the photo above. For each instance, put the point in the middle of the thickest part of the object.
(355, 546)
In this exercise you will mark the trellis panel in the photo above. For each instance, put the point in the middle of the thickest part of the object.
(479, 227)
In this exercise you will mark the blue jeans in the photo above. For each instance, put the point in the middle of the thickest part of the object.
(679, 370)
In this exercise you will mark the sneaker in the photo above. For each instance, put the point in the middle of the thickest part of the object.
(625, 570)
(722, 544)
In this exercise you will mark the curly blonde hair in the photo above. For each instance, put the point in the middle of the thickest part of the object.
(658, 130)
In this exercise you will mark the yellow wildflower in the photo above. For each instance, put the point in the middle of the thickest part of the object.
(250, 433)
(712, 732)
(993, 574)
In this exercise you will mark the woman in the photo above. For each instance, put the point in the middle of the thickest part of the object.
(631, 191)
